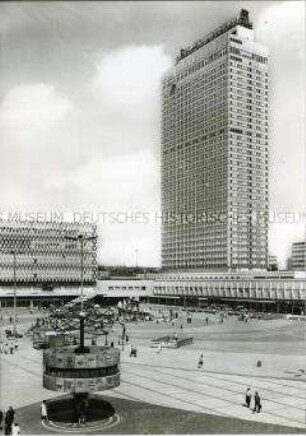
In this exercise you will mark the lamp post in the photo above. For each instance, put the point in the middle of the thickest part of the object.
(35, 267)
(123, 336)
(14, 252)
(15, 294)
(136, 257)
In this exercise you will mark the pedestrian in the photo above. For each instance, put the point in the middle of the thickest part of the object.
(12, 413)
(15, 429)
(8, 420)
(7, 423)
(207, 320)
(44, 411)
(12, 348)
(1, 347)
(201, 361)
(257, 403)
(248, 397)
(132, 351)
(82, 415)
(1, 419)
(159, 348)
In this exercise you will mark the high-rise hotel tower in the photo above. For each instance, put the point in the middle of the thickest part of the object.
(215, 153)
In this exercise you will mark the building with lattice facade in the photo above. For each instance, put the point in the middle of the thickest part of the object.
(214, 153)
(47, 253)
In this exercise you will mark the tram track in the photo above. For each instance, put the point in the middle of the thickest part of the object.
(165, 371)
(222, 373)
(229, 389)
(208, 374)
(213, 410)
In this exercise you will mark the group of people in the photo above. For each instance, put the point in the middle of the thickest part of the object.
(8, 347)
(257, 402)
(10, 426)
(248, 395)
(201, 360)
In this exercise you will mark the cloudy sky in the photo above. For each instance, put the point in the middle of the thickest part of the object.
(80, 112)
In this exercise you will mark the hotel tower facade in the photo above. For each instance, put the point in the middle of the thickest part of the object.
(214, 153)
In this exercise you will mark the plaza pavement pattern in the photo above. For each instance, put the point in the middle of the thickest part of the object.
(171, 379)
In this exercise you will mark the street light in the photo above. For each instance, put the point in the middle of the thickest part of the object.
(81, 238)
(136, 257)
(35, 267)
(15, 294)
(14, 252)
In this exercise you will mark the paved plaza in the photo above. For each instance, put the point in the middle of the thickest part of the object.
(171, 379)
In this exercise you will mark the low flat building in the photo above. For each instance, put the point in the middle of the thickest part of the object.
(281, 291)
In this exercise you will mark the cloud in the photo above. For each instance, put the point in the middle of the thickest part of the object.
(121, 182)
(128, 79)
(121, 194)
(28, 110)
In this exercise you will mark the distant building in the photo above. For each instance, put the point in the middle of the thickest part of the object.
(272, 263)
(117, 272)
(298, 256)
(47, 253)
(214, 153)
(283, 291)
(289, 264)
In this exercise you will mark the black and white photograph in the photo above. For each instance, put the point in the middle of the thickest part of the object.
(152, 217)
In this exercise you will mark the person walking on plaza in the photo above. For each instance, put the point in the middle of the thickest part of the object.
(12, 348)
(7, 423)
(248, 397)
(133, 352)
(82, 413)
(44, 411)
(8, 420)
(257, 404)
(201, 361)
